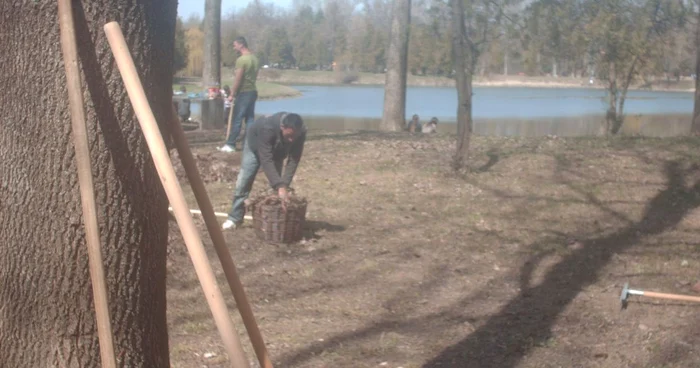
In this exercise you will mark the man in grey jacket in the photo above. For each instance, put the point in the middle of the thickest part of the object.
(268, 142)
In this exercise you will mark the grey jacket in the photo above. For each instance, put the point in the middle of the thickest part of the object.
(265, 140)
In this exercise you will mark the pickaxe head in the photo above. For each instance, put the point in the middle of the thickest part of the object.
(623, 296)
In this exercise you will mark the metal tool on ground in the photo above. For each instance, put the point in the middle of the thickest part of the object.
(173, 190)
(217, 237)
(626, 292)
(87, 194)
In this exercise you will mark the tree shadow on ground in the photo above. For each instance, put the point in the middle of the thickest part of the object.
(494, 157)
(527, 320)
(507, 336)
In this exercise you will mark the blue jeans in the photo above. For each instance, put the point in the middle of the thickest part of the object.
(250, 164)
(243, 108)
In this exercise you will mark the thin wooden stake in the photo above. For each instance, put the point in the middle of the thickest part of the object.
(230, 116)
(87, 194)
(175, 195)
(217, 237)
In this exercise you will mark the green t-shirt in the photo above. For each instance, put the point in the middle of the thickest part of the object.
(250, 65)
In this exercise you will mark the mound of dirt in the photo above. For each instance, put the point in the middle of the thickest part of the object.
(212, 166)
(272, 199)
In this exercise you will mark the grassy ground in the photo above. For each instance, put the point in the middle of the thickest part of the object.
(266, 90)
(328, 77)
(518, 263)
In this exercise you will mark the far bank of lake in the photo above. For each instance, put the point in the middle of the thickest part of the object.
(366, 102)
(498, 111)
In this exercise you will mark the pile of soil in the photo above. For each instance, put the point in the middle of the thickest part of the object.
(269, 197)
(213, 167)
(199, 137)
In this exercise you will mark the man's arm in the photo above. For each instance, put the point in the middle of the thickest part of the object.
(265, 147)
(294, 159)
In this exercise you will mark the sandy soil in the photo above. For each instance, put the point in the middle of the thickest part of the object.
(517, 263)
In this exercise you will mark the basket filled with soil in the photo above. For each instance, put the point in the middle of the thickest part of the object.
(274, 223)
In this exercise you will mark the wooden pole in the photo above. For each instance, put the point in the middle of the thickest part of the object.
(230, 116)
(175, 195)
(685, 298)
(217, 237)
(87, 195)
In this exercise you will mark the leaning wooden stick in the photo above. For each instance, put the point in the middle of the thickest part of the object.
(217, 237)
(230, 117)
(175, 195)
(87, 194)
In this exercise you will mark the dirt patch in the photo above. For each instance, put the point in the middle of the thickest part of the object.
(212, 166)
(518, 262)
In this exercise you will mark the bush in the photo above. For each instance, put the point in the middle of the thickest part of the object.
(346, 77)
(269, 74)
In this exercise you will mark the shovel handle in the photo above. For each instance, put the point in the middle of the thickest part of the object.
(69, 48)
(686, 298)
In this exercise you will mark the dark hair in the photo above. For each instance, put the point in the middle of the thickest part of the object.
(293, 121)
(415, 117)
(242, 41)
(434, 120)
(183, 89)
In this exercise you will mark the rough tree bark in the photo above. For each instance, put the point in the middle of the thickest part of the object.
(397, 68)
(463, 61)
(46, 309)
(211, 74)
(696, 111)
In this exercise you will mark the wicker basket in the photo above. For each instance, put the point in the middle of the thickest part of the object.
(275, 225)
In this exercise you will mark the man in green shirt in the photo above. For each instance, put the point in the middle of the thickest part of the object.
(244, 91)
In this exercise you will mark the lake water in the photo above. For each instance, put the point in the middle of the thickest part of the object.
(489, 102)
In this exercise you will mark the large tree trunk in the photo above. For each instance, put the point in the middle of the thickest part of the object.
(397, 68)
(46, 308)
(464, 63)
(211, 74)
(696, 111)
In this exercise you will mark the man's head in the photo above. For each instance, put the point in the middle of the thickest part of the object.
(292, 127)
(240, 44)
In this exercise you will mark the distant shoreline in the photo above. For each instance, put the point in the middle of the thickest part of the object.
(325, 78)
(266, 91)
(276, 84)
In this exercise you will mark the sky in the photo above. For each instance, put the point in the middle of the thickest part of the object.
(187, 7)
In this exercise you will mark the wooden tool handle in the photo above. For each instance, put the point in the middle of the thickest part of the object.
(87, 195)
(175, 195)
(229, 118)
(686, 298)
(217, 237)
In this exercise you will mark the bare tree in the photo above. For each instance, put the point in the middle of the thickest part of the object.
(212, 43)
(464, 71)
(474, 27)
(696, 110)
(625, 35)
(46, 308)
(397, 68)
